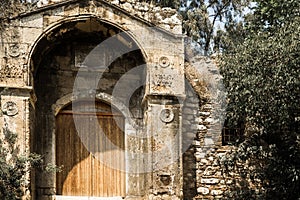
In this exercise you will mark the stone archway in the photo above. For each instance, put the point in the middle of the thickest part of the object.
(58, 59)
(41, 53)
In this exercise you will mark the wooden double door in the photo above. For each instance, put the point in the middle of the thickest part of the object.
(90, 151)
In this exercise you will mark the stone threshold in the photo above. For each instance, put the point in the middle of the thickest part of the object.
(57, 197)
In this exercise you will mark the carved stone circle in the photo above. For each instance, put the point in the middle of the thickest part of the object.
(164, 62)
(166, 115)
(14, 50)
(10, 108)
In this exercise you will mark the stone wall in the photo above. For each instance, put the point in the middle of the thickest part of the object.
(166, 18)
(215, 180)
(211, 184)
(189, 135)
(203, 176)
(205, 172)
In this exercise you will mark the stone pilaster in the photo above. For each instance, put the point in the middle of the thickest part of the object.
(15, 117)
(164, 137)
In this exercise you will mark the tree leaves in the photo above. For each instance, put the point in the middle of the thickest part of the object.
(14, 167)
(262, 75)
(203, 20)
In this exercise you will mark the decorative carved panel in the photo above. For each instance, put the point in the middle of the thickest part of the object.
(10, 108)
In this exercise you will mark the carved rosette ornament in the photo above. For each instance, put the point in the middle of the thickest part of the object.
(164, 62)
(10, 108)
(166, 115)
(14, 50)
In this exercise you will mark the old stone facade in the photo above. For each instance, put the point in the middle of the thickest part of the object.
(130, 56)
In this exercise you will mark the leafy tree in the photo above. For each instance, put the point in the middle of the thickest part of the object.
(262, 75)
(14, 167)
(10, 8)
(273, 14)
(203, 19)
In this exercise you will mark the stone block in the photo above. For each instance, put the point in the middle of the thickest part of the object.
(205, 114)
(203, 190)
(202, 127)
(199, 156)
(207, 107)
(33, 21)
(204, 161)
(210, 158)
(187, 110)
(216, 192)
(209, 171)
(210, 181)
(190, 135)
(208, 142)
(196, 143)
(200, 150)
(209, 120)
(199, 120)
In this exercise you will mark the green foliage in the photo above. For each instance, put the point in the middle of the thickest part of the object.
(262, 171)
(203, 20)
(275, 13)
(14, 167)
(10, 8)
(262, 75)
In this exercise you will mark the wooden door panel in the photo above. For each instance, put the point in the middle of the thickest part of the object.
(83, 172)
(75, 159)
(109, 180)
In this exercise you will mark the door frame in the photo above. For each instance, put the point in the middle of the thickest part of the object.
(130, 128)
(59, 197)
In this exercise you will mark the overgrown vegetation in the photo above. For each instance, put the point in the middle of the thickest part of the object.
(11, 8)
(262, 74)
(14, 167)
(206, 20)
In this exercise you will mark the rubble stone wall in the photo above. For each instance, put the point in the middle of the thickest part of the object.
(166, 18)
(204, 175)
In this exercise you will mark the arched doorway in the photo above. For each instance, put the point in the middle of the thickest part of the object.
(90, 149)
(58, 62)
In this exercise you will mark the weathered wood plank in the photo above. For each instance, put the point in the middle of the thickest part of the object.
(83, 174)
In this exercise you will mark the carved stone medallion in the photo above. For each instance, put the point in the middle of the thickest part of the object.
(166, 115)
(10, 108)
(164, 62)
(14, 50)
